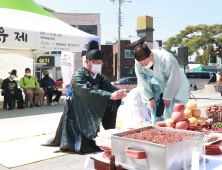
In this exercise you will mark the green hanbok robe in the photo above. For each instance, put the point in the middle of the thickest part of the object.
(90, 104)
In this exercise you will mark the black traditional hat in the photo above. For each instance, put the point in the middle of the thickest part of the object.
(14, 72)
(139, 49)
(93, 52)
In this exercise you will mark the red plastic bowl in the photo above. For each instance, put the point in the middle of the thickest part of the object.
(194, 128)
(217, 130)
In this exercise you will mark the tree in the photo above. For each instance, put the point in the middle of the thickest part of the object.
(198, 58)
(197, 37)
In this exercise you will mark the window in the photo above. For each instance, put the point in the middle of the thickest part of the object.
(53, 52)
(61, 79)
(132, 79)
(128, 54)
(91, 29)
(129, 71)
(205, 75)
(191, 75)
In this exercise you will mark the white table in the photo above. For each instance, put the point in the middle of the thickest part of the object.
(215, 161)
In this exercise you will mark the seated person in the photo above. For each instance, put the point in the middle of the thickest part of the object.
(11, 89)
(32, 87)
(213, 78)
(50, 85)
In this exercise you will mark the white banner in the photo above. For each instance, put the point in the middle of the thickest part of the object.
(67, 64)
(46, 41)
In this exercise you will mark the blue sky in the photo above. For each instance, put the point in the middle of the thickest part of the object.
(170, 16)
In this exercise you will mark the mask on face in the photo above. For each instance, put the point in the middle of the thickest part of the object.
(148, 65)
(96, 68)
(12, 77)
(27, 74)
(46, 75)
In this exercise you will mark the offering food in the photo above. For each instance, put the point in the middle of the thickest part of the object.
(170, 123)
(191, 106)
(214, 112)
(177, 116)
(201, 121)
(193, 121)
(182, 125)
(196, 113)
(104, 137)
(211, 138)
(161, 124)
(179, 108)
(158, 136)
(188, 114)
(184, 119)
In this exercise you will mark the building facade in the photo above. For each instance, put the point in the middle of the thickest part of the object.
(51, 61)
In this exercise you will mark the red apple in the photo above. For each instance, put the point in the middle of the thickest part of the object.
(188, 123)
(182, 125)
(179, 108)
(177, 116)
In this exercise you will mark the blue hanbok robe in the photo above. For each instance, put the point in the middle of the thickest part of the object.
(166, 78)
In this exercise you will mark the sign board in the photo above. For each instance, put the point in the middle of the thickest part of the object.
(45, 61)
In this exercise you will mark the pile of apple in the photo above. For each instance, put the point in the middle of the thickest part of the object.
(183, 119)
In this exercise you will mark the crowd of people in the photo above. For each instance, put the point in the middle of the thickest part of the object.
(30, 86)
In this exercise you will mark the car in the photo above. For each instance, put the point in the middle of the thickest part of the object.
(125, 81)
(58, 82)
(199, 79)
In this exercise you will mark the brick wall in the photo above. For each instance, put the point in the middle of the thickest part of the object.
(124, 62)
(107, 51)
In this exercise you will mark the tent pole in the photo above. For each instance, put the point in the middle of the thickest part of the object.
(34, 65)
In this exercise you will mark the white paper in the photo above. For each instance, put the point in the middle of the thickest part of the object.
(89, 163)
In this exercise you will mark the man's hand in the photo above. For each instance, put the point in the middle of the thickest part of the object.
(153, 104)
(53, 86)
(29, 88)
(49, 87)
(118, 95)
(166, 103)
(36, 88)
(12, 92)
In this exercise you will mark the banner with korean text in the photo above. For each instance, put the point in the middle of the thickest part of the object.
(67, 64)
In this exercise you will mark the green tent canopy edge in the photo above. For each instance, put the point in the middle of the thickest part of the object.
(25, 5)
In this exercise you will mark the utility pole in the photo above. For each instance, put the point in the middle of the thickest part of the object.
(119, 28)
(118, 55)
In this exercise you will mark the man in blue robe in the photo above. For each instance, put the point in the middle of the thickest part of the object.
(161, 81)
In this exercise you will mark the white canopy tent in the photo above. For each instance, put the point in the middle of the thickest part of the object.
(29, 31)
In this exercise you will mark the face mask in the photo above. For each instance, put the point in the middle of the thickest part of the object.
(27, 74)
(96, 68)
(12, 77)
(148, 65)
(46, 75)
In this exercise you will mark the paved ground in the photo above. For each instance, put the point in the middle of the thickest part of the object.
(14, 122)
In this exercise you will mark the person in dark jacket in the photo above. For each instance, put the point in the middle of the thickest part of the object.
(50, 85)
(213, 78)
(11, 91)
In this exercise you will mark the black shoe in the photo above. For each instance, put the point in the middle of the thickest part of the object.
(10, 108)
(37, 105)
(20, 107)
(31, 105)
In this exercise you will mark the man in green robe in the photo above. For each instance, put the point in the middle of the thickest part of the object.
(93, 100)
